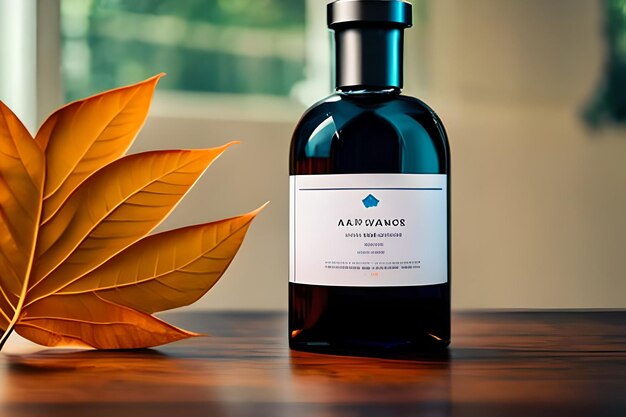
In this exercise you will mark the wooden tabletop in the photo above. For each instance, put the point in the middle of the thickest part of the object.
(534, 364)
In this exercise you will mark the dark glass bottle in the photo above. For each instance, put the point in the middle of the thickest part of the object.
(353, 289)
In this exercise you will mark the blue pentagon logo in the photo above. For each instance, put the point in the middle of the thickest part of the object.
(370, 201)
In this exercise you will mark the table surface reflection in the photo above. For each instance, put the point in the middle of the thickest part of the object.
(499, 364)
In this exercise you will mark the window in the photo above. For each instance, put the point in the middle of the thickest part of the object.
(218, 46)
(17, 67)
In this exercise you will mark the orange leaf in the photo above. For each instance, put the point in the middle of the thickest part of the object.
(76, 267)
(170, 269)
(21, 185)
(87, 320)
(85, 135)
(111, 210)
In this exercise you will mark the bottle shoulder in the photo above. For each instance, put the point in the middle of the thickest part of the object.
(411, 102)
(346, 127)
(337, 111)
(345, 107)
(323, 106)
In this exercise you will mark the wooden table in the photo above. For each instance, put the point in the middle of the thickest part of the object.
(500, 364)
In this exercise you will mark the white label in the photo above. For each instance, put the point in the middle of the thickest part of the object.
(368, 230)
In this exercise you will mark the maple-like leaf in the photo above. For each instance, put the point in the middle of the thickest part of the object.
(77, 264)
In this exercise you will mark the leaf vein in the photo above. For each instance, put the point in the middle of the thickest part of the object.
(137, 282)
(65, 335)
(79, 160)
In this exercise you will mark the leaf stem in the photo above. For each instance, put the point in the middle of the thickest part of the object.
(6, 335)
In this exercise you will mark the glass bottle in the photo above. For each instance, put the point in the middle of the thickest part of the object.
(369, 201)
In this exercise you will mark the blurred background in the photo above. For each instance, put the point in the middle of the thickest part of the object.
(532, 93)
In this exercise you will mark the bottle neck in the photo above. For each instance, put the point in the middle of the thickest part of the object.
(368, 58)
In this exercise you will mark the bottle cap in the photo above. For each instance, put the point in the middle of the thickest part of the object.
(386, 12)
(368, 42)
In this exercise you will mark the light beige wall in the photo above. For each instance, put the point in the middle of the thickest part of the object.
(539, 201)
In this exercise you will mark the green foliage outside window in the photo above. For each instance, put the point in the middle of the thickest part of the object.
(220, 46)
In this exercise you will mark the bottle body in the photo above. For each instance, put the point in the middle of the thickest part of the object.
(352, 304)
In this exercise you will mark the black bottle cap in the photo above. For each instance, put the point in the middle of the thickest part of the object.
(369, 36)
